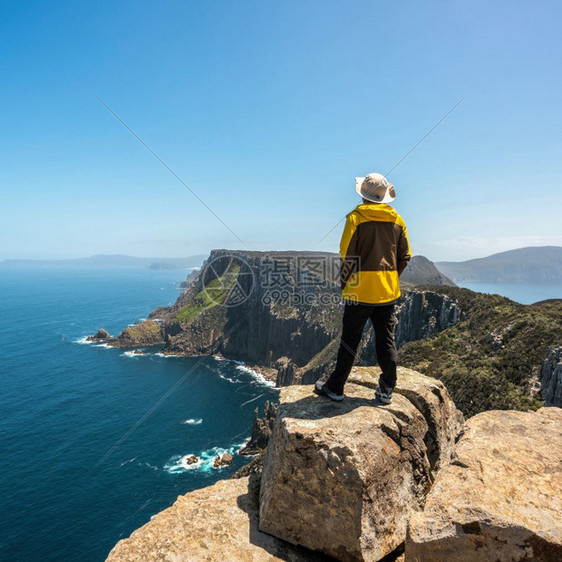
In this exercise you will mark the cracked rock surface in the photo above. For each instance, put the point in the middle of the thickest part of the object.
(218, 523)
(501, 497)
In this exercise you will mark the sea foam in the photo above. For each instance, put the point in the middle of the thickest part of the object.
(84, 341)
(193, 421)
(178, 463)
(260, 379)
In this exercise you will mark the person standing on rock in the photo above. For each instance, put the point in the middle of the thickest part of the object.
(374, 251)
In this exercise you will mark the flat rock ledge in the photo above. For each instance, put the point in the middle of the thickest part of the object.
(215, 524)
(344, 478)
(500, 499)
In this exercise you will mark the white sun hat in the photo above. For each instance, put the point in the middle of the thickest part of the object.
(375, 188)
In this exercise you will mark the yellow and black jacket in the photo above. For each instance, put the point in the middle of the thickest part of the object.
(375, 250)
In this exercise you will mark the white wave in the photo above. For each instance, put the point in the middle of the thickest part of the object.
(193, 421)
(241, 366)
(166, 355)
(224, 377)
(127, 462)
(178, 463)
(261, 379)
(85, 341)
(133, 353)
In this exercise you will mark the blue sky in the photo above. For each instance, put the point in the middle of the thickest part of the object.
(267, 110)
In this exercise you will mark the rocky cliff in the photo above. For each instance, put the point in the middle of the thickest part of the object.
(344, 479)
(552, 377)
(279, 310)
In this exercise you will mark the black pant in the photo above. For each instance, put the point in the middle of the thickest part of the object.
(354, 318)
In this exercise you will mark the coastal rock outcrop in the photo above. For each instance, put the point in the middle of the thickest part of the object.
(552, 377)
(261, 429)
(148, 332)
(223, 460)
(215, 524)
(100, 335)
(352, 472)
(500, 498)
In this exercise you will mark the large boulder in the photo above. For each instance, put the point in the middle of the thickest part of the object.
(344, 478)
(500, 498)
(213, 524)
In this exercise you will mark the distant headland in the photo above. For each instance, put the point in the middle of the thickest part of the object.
(534, 264)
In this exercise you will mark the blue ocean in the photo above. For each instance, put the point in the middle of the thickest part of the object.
(524, 293)
(94, 440)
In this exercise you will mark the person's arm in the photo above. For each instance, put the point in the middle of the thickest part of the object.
(404, 251)
(348, 248)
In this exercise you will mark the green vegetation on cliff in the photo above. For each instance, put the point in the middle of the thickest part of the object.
(492, 358)
(147, 333)
(216, 292)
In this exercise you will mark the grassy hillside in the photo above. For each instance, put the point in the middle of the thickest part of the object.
(492, 359)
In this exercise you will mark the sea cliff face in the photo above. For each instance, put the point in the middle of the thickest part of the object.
(552, 377)
(279, 310)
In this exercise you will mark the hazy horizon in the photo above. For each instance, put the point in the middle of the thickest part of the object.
(234, 249)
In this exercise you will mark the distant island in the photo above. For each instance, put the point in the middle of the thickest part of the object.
(111, 260)
(540, 264)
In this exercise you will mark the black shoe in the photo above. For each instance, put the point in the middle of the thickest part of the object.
(321, 389)
(383, 395)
